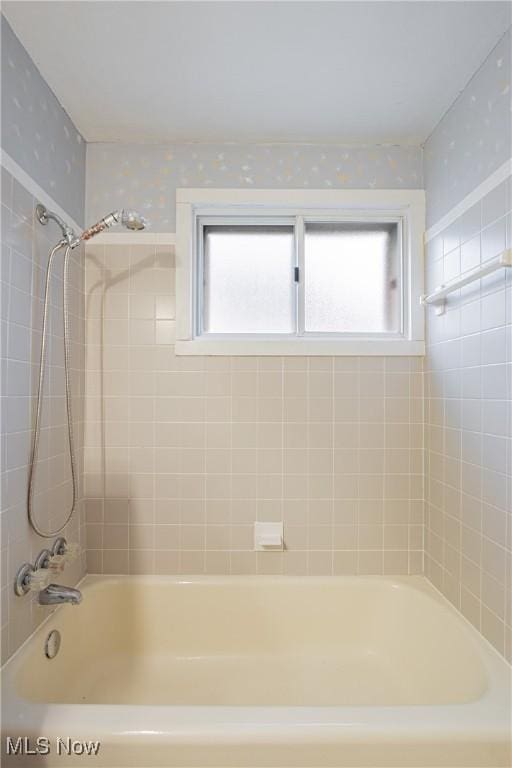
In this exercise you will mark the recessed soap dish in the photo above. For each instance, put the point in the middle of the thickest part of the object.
(268, 536)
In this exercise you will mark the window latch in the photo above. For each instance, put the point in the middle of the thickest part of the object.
(296, 274)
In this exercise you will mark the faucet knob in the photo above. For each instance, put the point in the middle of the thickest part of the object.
(62, 554)
(30, 579)
(73, 551)
(57, 563)
(39, 579)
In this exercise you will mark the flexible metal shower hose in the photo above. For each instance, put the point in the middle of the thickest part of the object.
(40, 392)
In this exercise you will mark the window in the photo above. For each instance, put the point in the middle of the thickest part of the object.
(247, 278)
(352, 277)
(283, 279)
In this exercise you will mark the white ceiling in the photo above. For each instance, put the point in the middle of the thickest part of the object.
(257, 71)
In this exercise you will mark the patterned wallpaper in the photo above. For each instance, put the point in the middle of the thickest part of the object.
(470, 142)
(146, 176)
(36, 132)
(474, 137)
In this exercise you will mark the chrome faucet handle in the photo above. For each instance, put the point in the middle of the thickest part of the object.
(30, 579)
(62, 554)
(39, 579)
(57, 563)
(48, 563)
(73, 551)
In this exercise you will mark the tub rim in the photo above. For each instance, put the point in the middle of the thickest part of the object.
(487, 717)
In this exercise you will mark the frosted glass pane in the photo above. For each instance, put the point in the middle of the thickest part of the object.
(249, 279)
(352, 280)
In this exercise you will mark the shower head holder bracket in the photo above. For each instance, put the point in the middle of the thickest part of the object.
(43, 215)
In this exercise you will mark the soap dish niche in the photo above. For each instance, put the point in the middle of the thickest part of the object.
(268, 537)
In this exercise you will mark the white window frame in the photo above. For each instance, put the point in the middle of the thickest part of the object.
(192, 205)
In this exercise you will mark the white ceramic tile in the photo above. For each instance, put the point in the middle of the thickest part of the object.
(470, 396)
(21, 294)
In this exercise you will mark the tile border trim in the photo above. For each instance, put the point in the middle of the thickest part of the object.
(12, 167)
(492, 181)
(134, 238)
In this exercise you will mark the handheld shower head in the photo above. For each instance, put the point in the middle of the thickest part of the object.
(127, 218)
(130, 219)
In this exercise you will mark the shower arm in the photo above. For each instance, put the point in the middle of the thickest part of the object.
(43, 215)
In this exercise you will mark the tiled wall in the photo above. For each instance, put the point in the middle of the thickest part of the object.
(36, 132)
(25, 246)
(469, 422)
(183, 454)
(146, 176)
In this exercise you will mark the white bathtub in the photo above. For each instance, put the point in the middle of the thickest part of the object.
(262, 671)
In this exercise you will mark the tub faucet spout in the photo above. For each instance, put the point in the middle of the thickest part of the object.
(55, 594)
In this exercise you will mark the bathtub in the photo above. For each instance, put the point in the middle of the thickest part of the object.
(259, 671)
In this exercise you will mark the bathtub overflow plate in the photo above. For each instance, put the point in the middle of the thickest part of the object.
(52, 645)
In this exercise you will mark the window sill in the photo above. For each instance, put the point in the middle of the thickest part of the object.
(301, 347)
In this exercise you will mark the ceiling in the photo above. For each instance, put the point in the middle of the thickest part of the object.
(355, 72)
